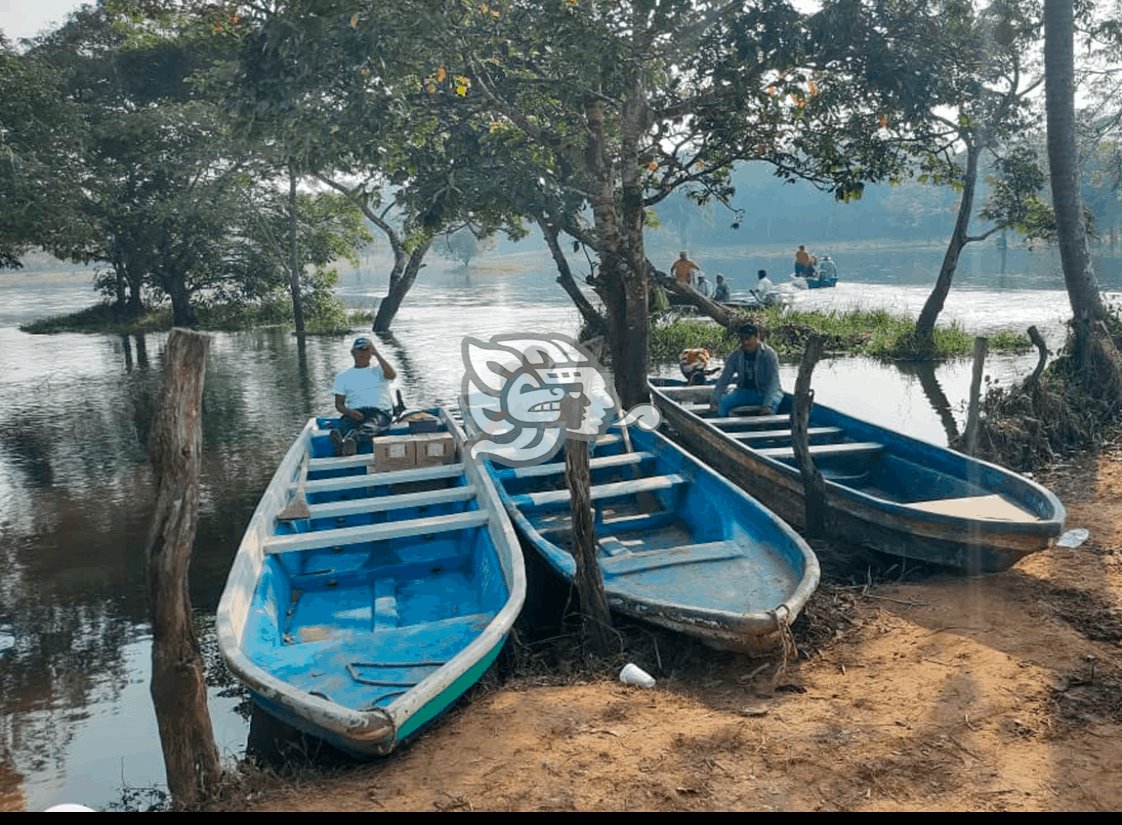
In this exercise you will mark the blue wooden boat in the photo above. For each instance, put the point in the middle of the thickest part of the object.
(678, 545)
(821, 283)
(363, 601)
(884, 490)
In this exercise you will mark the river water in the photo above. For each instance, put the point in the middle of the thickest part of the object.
(76, 720)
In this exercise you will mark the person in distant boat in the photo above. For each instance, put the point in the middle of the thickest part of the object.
(802, 262)
(721, 291)
(752, 370)
(827, 269)
(764, 287)
(683, 269)
(703, 285)
(362, 397)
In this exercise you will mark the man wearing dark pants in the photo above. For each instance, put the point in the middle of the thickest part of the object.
(362, 397)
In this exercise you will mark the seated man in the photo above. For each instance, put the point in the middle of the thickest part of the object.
(362, 397)
(755, 367)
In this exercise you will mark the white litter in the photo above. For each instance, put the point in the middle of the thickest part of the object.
(1073, 538)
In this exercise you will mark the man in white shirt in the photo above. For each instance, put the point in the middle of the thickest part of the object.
(362, 397)
(764, 288)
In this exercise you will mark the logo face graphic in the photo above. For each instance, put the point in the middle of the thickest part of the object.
(523, 395)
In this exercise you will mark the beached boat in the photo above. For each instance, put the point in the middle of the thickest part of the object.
(884, 489)
(678, 545)
(369, 593)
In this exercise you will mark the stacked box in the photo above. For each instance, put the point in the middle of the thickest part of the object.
(394, 452)
(434, 448)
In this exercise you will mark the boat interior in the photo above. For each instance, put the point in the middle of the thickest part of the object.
(865, 459)
(663, 525)
(381, 580)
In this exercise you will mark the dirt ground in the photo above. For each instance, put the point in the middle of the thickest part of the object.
(912, 691)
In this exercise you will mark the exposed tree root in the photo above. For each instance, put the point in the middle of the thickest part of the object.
(1063, 410)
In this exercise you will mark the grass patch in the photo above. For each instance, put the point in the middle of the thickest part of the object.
(873, 333)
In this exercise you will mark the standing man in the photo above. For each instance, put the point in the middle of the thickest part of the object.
(755, 367)
(802, 262)
(683, 268)
(362, 397)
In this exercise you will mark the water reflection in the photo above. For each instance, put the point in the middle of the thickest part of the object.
(76, 489)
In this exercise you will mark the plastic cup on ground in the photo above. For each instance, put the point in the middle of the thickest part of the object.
(632, 674)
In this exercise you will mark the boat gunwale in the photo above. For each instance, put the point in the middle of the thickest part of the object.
(1052, 526)
(378, 729)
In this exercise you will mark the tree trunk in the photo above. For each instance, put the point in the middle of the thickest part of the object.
(814, 486)
(974, 407)
(182, 313)
(1059, 96)
(596, 619)
(400, 286)
(925, 324)
(178, 680)
(294, 267)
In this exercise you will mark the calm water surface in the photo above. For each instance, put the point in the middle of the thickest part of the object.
(76, 720)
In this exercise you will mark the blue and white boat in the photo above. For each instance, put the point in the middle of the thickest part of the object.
(363, 601)
(678, 545)
(885, 490)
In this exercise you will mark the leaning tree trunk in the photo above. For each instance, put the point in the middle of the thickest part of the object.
(592, 318)
(925, 324)
(178, 685)
(399, 287)
(294, 267)
(1063, 160)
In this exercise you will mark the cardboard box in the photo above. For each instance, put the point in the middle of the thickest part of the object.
(394, 452)
(434, 448)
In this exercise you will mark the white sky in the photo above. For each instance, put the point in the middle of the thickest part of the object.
(27, 18)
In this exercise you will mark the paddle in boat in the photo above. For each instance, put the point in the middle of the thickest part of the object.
(369, 592)
(884, 490)
(678, 545)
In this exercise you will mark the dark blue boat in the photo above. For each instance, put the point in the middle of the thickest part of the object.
(884, 489)
(364, 600)
(678, 545)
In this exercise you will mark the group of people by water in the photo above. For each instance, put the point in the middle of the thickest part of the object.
(686, 271)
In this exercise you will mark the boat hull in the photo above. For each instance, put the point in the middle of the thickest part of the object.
(678, 546)
(866, 515)
(360, 616)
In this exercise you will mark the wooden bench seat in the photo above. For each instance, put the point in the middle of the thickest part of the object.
(766, 435)
(600, 491)
(556, 467)
(375, 532)
(380, 504)
(378, 479)
(749, 421)
(826, 450)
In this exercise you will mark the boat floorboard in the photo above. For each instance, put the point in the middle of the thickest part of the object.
(992, 507)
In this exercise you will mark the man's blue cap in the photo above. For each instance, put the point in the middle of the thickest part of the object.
(362, 343)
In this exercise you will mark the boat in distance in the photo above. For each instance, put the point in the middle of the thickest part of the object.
(371, 591)
(678, 545)
(885, 490)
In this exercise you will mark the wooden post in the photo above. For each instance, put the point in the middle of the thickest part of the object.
(178, 687)
(973, 411)
(814, 486)
(596, 618)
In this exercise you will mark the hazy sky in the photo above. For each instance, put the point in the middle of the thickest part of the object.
(27, 18)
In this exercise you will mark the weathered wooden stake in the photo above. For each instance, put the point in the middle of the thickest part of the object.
(178, 687)
(814, 486)
(973, 411)
(596, 618)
